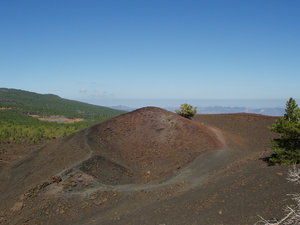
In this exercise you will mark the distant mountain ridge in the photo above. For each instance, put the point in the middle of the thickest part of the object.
(49, 104)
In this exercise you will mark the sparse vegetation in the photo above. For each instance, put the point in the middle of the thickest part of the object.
(292, 216)
(287, 146)
(187, 111)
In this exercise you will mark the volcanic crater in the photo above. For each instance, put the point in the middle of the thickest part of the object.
(149, 166)
(145, 145)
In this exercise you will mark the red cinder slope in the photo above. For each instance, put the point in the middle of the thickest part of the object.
(152, 142)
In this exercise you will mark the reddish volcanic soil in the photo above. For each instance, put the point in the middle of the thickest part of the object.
(151, 142)
(150, 166)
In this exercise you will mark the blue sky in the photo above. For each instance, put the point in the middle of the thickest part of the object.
(98, 51)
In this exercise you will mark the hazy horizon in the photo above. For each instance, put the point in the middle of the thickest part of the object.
(165, 103)
(137, 103)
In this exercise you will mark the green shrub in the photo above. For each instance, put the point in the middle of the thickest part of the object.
(187, 111)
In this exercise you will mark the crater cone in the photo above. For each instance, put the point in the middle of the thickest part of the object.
(145, 145)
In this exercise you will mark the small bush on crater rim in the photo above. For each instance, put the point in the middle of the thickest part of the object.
(187, 111)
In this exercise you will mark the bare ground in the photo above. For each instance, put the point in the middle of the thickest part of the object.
(150, 167)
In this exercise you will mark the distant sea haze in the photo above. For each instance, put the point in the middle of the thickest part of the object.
(271, 107)
(220, 110)
(138, 103)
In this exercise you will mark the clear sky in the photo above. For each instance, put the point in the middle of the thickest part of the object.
(108, 49)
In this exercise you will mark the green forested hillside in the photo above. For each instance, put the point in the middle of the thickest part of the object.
(48, 104)
(17, 126)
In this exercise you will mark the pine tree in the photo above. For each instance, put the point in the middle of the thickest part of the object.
(287, 146)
